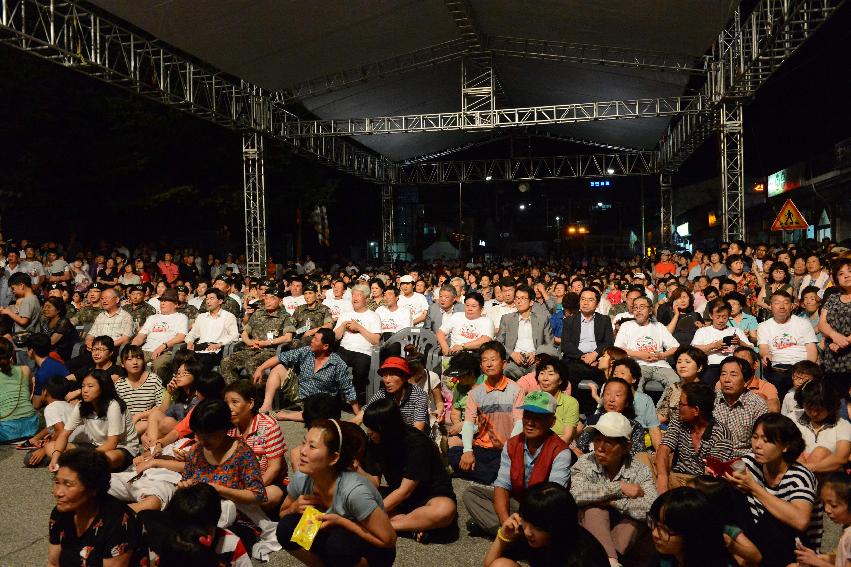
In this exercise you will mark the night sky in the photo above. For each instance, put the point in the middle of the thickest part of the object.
(86, 157)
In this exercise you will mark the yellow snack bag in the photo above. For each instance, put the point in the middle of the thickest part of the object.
(307, 528)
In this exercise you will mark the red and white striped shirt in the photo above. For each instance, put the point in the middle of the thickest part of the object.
(265, 438)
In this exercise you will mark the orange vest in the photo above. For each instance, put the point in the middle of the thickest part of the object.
(540, 470)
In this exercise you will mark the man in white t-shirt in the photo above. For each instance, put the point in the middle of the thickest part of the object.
(295, 298)
(393, 318)
(465, 331)
(358, 331)
(784, 340)
(718, 340)
(337, 301)
(415, 302)
(161, 332)
(649, 343)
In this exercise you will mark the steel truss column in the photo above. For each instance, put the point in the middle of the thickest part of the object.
(477, 91)
(387, 223)
(732, 172)
(254, 190)
(667, 206)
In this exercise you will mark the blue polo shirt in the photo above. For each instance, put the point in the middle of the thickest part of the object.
(49, 368)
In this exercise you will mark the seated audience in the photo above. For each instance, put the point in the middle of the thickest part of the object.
(140, 388)
(689, 363)
(827, 437)
(736, 407)
(410, 398)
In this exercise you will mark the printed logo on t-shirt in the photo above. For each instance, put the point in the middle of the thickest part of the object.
(469, 331)
(161, 327)
(646, 344)
(783, 341)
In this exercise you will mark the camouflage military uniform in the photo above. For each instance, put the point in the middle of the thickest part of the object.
(139, 313)
(190, 311)
(86, 315)
(70, 311)
(310, 317)
(261, 326)
(230, 305)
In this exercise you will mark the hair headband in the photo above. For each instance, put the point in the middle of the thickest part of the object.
(339, 434)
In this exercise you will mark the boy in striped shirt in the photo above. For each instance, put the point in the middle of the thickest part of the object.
(493, 407)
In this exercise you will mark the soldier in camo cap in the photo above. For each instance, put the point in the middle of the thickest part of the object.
(91, 308)
(310, 317)
(183, 306)
(267, 328)
(137, 307)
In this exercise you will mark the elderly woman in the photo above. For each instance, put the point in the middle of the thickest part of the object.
(88, 527)
(613, 491)
(411, 399)
(835, 325)
(618, 397)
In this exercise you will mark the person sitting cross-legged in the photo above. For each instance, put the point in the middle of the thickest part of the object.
(534, 456)
(493, 406)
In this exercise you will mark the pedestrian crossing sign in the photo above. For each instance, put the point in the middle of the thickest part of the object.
(790, 218)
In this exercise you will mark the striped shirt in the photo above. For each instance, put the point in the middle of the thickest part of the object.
(332, 378)
(715, 441)
(797, 483)
(494, 409)
(142, 397)
(414, 405)
(739, 418)
(265, 439)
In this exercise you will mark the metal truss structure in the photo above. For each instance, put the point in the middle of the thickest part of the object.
(732, 172)
(499, 118)
(582, 53)
(513, 169)
(82, 39)
(666, 192)
(412, 61)
(477, 86)
(387, 223)
(254, 190)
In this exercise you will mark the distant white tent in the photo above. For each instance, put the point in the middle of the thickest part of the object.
(440, 250)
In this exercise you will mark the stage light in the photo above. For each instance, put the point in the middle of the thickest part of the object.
(610, 171)
(522, 207)
(489, 177)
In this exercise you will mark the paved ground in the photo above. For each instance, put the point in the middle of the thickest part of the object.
(26, 502)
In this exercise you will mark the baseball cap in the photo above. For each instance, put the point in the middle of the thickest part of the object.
(277, 292)
(55, 285)
(98, 286)
(461, 364)
(182, 289)
(613, 424)
(539, 402)
(365, 278)
(310, 287)
(406, 279)
(138, 287)
(395, 363)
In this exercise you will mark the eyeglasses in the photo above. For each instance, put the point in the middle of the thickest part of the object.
(665, 533)
(100, 349)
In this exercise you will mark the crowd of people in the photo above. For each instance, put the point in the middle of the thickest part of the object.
(688, 409)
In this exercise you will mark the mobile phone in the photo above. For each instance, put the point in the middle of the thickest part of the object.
(728, 340)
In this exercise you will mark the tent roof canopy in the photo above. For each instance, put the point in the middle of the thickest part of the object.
(281, 44)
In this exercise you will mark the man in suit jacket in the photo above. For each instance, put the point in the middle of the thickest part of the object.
(522, 333)
(446, 304)
(584, 337)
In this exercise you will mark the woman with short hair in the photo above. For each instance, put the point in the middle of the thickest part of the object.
(87, 526)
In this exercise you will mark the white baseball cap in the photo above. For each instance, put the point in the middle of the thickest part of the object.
(613, 424)
(406, 279)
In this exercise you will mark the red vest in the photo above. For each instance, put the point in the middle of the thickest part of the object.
(542, 467)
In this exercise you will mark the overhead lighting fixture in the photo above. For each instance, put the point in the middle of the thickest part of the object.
(489, 177)
(610, 171)
(522, 207)
(523, 187)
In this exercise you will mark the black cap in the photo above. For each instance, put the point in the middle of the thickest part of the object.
(310, 287)
(142, 288)
(462, 364)
(98, 286)
(182, 289)
(267, 282)
(507, 282)
(55, 285)
(277, 292)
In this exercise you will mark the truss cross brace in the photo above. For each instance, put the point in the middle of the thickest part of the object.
(732, 172)
(254, 190)
(387, 223)
(667, 205)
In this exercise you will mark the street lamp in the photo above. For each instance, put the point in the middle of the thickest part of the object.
(489, 177)
(610, 171)
(522, 207)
